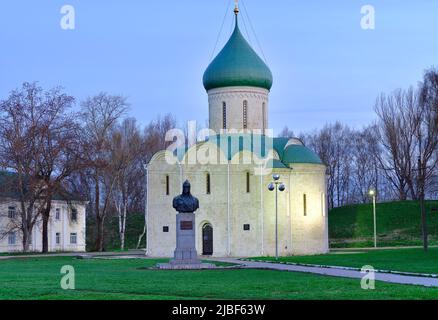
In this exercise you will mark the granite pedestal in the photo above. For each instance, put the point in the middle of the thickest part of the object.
(185, 252)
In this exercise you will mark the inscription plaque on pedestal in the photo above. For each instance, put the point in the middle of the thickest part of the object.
(186, 225)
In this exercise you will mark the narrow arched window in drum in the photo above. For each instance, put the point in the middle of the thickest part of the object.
(208, 185)
(245, 114)
(224, 115)
(263, 117)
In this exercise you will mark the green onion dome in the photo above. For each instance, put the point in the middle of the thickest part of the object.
(237, 65)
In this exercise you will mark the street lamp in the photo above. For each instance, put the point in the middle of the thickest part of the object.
(372, 194)
(277, 186)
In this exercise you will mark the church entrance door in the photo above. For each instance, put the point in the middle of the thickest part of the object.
(207, 240)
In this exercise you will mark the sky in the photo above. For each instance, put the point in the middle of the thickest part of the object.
(326, 67)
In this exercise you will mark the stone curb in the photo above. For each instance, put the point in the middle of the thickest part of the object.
(413, 274)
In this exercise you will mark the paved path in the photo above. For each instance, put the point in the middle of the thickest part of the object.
(335, 272)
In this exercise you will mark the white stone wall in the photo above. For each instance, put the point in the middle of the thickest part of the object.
(310, 232)
(298, 234)
(229, 207)
(234, 98)
(65, 226)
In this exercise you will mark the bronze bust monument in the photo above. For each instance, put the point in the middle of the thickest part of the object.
(185, 255)
(186, 203)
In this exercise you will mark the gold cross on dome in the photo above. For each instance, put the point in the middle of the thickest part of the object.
(236, 8)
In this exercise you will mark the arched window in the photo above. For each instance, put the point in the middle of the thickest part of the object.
(264, 117)
(305, 204)
(224, 115)
(208, 186)
(167, 185)
(245, 114)
(248, 190)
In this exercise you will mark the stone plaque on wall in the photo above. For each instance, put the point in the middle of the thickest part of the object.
(186, 225)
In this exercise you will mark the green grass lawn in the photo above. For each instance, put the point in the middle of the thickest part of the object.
(39, 278)
(398, 224)
(407, 260)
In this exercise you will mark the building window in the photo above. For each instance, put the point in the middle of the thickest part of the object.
(58, 238)
(12, 212)
(58, 214)
(11, 238)
(74, 214)
(264, 117)
(224, 115)
(208, 185)
(73, 238)
(305, 204)
(245, 114)
(167, 185)
(246, 227)
(248, 182)
(165, 229)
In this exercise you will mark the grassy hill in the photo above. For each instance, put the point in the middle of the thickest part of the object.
(398, 223)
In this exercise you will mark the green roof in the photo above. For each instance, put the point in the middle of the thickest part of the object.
(300, 154)
(237, 65)
(231, 144)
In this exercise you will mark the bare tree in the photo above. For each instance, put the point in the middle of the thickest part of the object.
(21, 119)
(126, 167)
(407, 133)
(100, 115)
(397, 128)
(154, 136)
(286, 133)
(429, 91)
(365, 152)
(59, 155)
(333, 146)
(428, 129)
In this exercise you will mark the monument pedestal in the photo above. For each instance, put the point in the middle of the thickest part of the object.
(185, 255)
(185, 252)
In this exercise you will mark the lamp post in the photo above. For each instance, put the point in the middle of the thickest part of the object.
(277, 186)
(372, 194)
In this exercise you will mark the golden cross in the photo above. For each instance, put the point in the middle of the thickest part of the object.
(236, 8)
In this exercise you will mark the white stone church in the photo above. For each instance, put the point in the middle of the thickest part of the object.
(237, 215)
